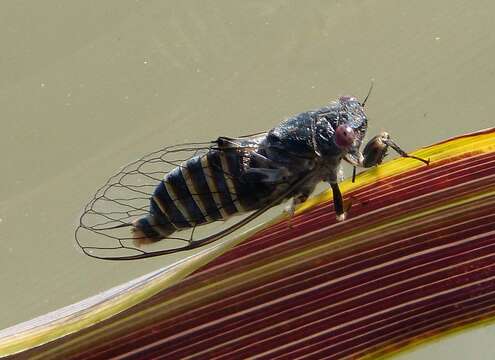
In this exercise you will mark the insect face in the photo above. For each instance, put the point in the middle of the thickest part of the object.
(352, 124)
(352, 114)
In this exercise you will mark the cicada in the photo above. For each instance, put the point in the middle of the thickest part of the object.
(157, 204)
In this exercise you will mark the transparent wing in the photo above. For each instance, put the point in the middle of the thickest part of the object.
(105, 227)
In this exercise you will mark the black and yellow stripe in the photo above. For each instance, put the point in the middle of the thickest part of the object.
(219, 185)
(198, 184)
(202, 190)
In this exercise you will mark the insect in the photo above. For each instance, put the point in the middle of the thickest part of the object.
(164, 197)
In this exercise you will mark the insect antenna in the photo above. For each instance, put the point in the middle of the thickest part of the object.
(369, 92)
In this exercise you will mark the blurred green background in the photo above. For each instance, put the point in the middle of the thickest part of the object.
(88, 86)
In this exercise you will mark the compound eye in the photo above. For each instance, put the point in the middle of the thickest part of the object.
(344, 137)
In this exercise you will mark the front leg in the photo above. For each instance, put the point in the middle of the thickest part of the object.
(376, 149)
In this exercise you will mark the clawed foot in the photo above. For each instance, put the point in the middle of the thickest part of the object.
(341, 217)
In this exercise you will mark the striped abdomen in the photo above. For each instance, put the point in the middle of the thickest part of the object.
(203, 189)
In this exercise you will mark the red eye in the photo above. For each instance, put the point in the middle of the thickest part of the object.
(344, 136)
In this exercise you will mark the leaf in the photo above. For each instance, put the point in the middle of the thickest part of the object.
(415, 260)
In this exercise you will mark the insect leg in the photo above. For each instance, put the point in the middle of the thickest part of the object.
(296, 200)
(338, 202)
(301, 197)
(376, 149)
(402, 153)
